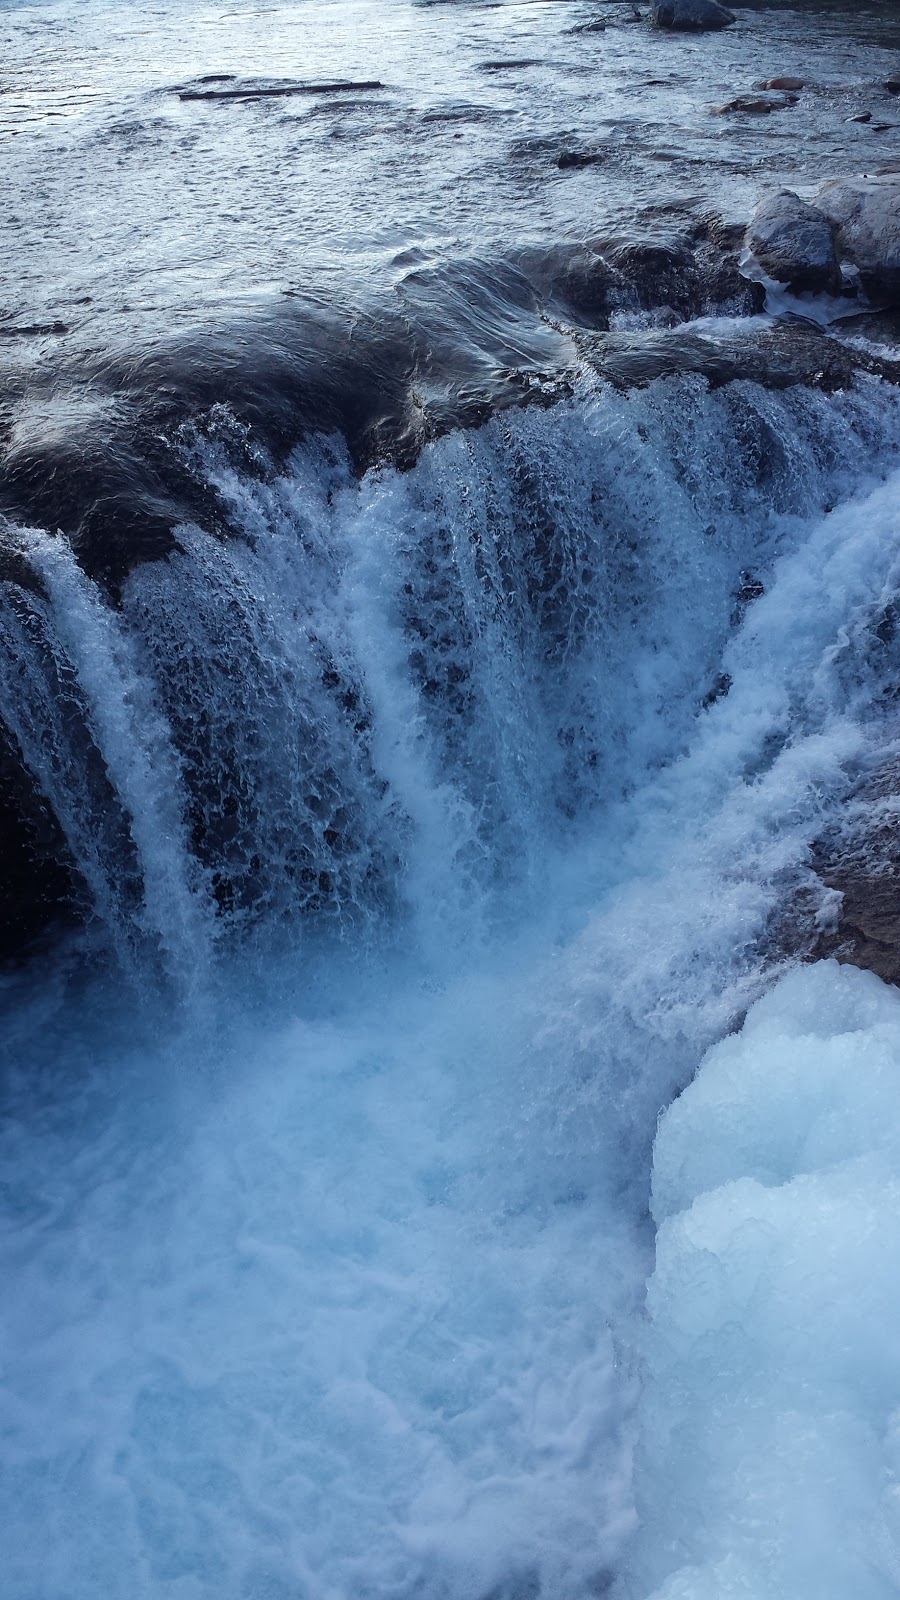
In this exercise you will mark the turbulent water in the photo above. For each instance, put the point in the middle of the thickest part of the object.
(431, 829)
(414, 977)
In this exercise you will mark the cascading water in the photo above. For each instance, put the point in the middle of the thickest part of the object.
(85, 719)
(495, 773)
(397, 697)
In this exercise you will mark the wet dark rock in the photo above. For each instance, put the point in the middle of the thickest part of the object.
(118, 495)
(793, 243)
(861, 116)
(893, 86)
(881, 327)
(691, 16)
(573, 285)
(725, 236)
(718, 691)
(99, 446)
(690, 274)
(252, 92)
(777, 357)
(751, 589)
(31, 330)
(756, 104)
(569, 159)
(41, 894)
(506, 66)
(652, 273)
(15, 570)
(869, 924)
(859, 861)
(865, 215)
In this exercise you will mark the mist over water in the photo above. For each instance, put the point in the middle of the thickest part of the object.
(428, 831)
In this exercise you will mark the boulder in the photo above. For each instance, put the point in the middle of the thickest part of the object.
(865, 215)
(793, 243)
(576, 158)
(690, 16)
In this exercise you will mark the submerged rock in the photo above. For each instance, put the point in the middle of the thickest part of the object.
(691, 16)
(778, 357)
(783, 83)
(865, 214)
(676, 275)
(759, 105)
(31, 330)
(793, 242)
(576, 158)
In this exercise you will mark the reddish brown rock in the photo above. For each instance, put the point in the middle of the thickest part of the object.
(860, 862)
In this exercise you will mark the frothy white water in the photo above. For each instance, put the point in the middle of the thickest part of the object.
(322, 1326)
(343, 1304)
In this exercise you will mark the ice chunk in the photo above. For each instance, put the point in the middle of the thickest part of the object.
(770, 1447)
(806, 1084)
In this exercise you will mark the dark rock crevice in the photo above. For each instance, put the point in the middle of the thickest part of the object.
(42, 896)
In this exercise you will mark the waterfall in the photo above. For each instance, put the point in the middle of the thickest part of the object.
(395, 701)
(498, 772)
